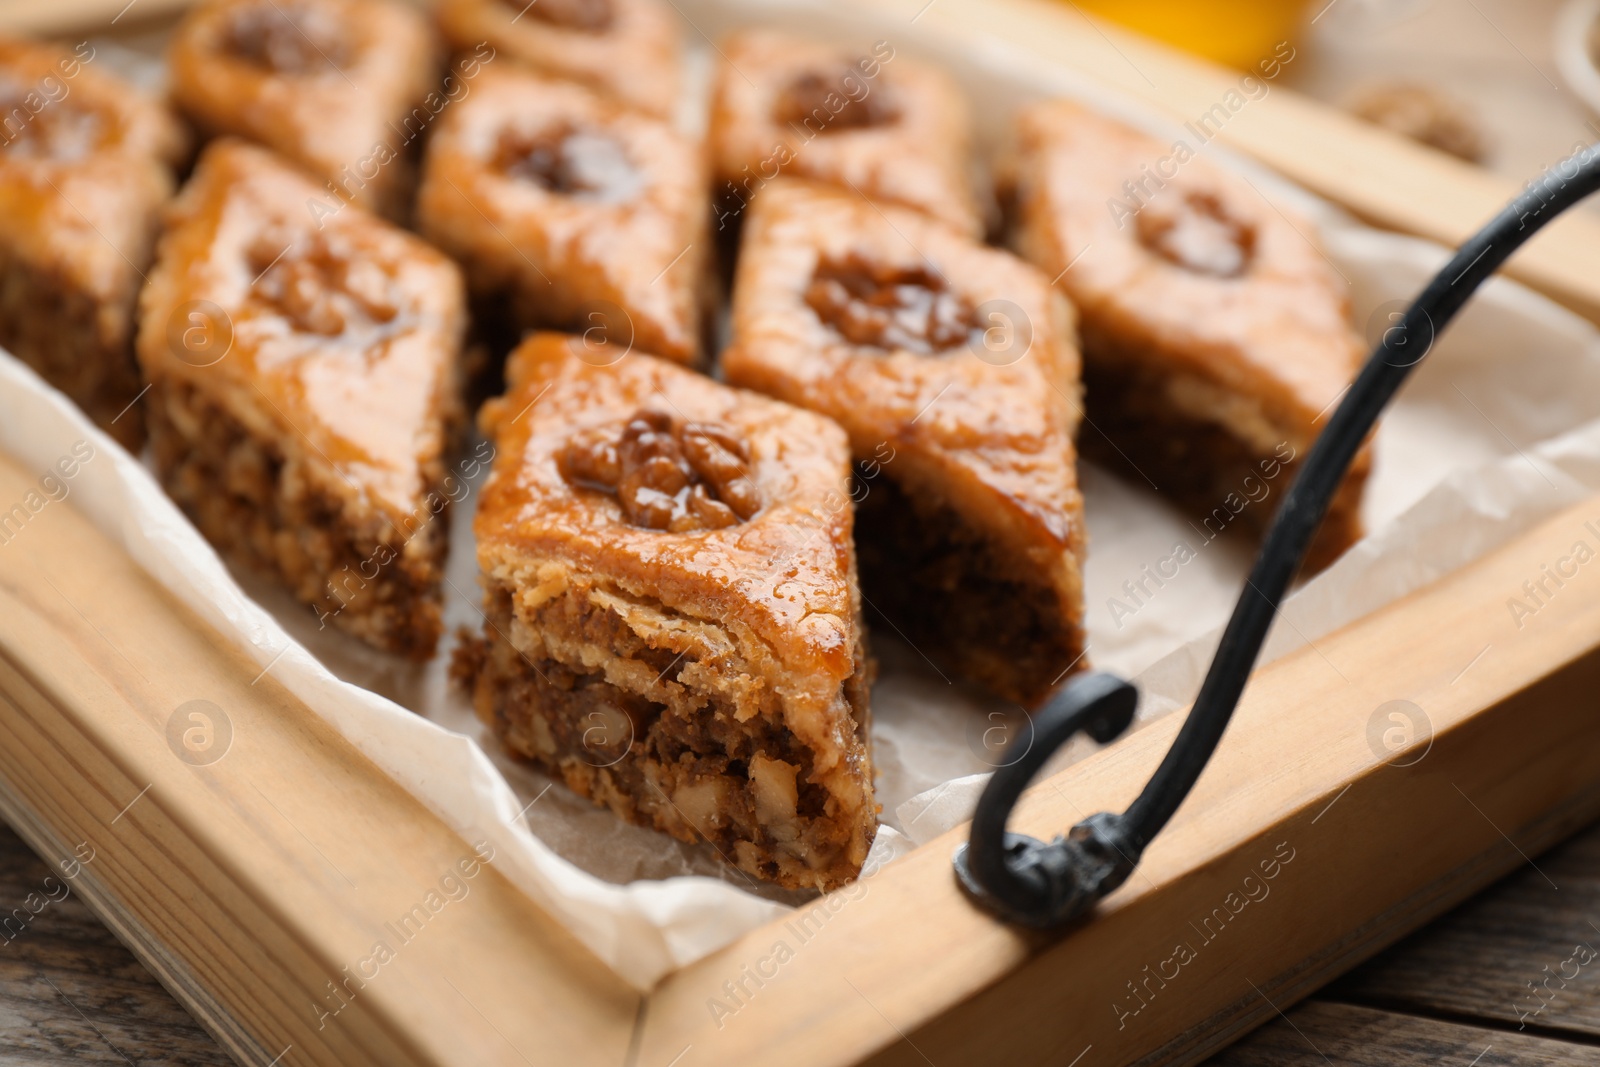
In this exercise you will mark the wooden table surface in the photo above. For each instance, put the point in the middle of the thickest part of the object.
(1510, 978)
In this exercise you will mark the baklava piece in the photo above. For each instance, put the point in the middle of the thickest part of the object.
(304, 394)
(1215, 332)
(572, 212)
(868, 120)
(85, 165)
(629, 50)
(344, 88)
(954, 370)
(673, 622)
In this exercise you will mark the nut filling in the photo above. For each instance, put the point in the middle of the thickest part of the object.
(1197, 232)
(582, 164)
(323, 287)
(590, 16)
(888, 307)
(287, 38)
(834, 99)
(666, 473)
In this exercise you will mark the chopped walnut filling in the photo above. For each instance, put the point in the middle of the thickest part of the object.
(1196, 231)
(834, 99)
(888, 307)
(667, 474)
(34, 126)
(287, 37)
(591, 16)
(322, 286)
(582, 164)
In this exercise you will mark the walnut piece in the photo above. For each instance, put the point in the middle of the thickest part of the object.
(668, 474)
(837, 98)
(1425, 115)
(1196, 231)
(321, 286)
(293, 37)
(582, 164)
(591, 16)
(888, 307)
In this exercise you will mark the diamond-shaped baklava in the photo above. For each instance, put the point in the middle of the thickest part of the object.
(866, 119)
(954, 369)
(85, 165)
(345, 88)
(626, 49)
(575, 211)
(1216, 333)
(304, 392)
(673, 622)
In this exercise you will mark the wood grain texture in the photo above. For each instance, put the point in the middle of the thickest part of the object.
(70, 991)
(1341, 1035)
(51, 17)
(1525, 954)
(251, 884)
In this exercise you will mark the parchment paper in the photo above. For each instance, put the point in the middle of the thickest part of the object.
(1497, 429)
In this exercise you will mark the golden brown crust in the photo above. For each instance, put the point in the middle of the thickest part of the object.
(571, 206)
(331, 348)
(756, 623)
(85, 165)
(988, 437)
(1252, 338)
(337, 86)
(626, 49)
(883, 125)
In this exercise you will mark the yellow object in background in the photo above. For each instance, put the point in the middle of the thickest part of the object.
(1239, 33)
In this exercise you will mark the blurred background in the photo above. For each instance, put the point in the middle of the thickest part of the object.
(1511, 84)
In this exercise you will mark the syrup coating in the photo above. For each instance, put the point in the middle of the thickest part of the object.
(1206, 276)
(871, 121)
(85, 165)
(340, 342)
(784, 571)
(956, 376)
(993, 432)
(341, 87)
(628, 50)
(574, 208)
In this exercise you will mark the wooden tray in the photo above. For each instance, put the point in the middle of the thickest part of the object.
(252, 886)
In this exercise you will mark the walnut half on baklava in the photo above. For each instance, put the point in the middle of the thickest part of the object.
(304, 392)
(673, 622)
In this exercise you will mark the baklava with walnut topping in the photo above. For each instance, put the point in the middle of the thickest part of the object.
(571, 211)
(1216, 333)
(867, 120)
(628, 50)
(673, 622)
(85, 165)
(304, 394)
(337, 86)
(954, 369)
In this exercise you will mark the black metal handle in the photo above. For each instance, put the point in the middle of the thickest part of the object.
(1033, 883)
